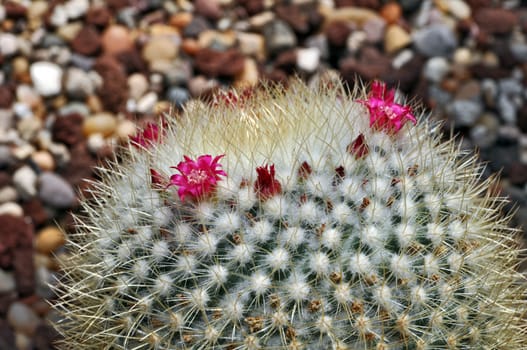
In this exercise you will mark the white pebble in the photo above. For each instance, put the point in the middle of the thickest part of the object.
(11, 208)
(147, 103)
(46, 77)
(8, 44)
(308, 59)
(25, 181)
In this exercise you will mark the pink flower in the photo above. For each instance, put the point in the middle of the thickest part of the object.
(148, 136)
(384, 112)
(199, 177)
(232, 98)
(266, 185)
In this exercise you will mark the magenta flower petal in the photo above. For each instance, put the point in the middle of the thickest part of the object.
(197, 178)
(266, 185)
(385, 114)
(148, 136)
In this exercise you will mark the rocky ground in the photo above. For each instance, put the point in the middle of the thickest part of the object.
(78, 77)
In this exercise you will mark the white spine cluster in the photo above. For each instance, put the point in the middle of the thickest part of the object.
(400, 248)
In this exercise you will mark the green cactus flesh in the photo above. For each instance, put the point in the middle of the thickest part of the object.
(402, 247)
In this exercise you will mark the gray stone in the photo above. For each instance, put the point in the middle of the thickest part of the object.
(22, 318)
(436, 68)
(519, 51)
(278, 37)
(55, 191)
(507, 109)
(25, 181)
(7, 282)
(78, 84)
(485, 133)
(464, 112)
(435, 40)
(178, 96)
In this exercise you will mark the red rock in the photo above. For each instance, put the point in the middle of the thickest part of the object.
(98, 16)
(67, 129)
(518, 174)
(34, 209)
(114, 91)
(14, 10)
(80, 166)
(6, 97)
(286, 61)
(372, 4)
(87, 41)
(16, 234)
(214, 63)
(24, 270)
(496, 20)
(295, 16)
(116, 5)
(253, 6)
(132, 61)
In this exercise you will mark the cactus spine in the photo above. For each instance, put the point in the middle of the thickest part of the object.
(325, 233)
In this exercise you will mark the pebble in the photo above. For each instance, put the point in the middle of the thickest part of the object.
(22, 318)
(308, 59)
(7, 282)
(391, 12)
(59, 16)
(374, 29)
(178, 96)
(464, 112)
(435, 40)
(44, 160)
(11, 208)
(251, 44)
(96, 142)
(25, 181)
(496, 20)
(161, 48)
(116, 39)
(147, 103)
(436, 68)
(485, 132)
(462, 56)
(8, 44)
(55, 191)
(49, 239)
(137, 85)
(458, 8)
(278, 37)
(124, 129)
(104, 123)
(46, 77)
(8, 194)
(396, 38)
(249, 76)
(78, 83)
(506, 108)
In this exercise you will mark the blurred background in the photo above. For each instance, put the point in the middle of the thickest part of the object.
(78, 77)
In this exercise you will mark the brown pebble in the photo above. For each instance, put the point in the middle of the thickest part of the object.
(391, 12)
(496, 20)
(98, 16)
(49, 239)
(337, 33)
(34, 209)
(87, 41)
(210, 9)
(6, 97)
(219, 63)
(103, 123)
(190, 46)
(14, 10)
(67, 129)
(180, 20)
(115, 39)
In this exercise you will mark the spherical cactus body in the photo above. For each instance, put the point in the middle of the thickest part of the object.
(298, 218)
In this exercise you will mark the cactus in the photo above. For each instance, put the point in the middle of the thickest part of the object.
(298, 218)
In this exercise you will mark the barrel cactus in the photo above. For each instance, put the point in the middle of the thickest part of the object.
(293, 218)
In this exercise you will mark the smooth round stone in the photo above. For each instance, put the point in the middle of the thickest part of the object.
(55, 191)
(49, 239)
(137, 85)
(217, 40)
(95, 142)
(391, 12)
(251, 44)
(103, 123)
(435, 40)
(8, 194)
(23, 342)
(465, 112)
(76, 8)
(20, 66)
(11, 208)
(25, 181)
(7, 282)
(44, 160)
(78, 83)
(278, 36)
(115, 39)
(458, 8)
(507, 109)
(462, 56)
(69, 31)
(46, 77)
(22, 318)
(308, 59)
(161, 48)
(178, 96)
(37, 9)
(396, 38)
(8, 44)
(374, 29)
(249, 74)
(125, 129)
(355, 14)
(485, 132)
(147, 103)
(59, 16)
